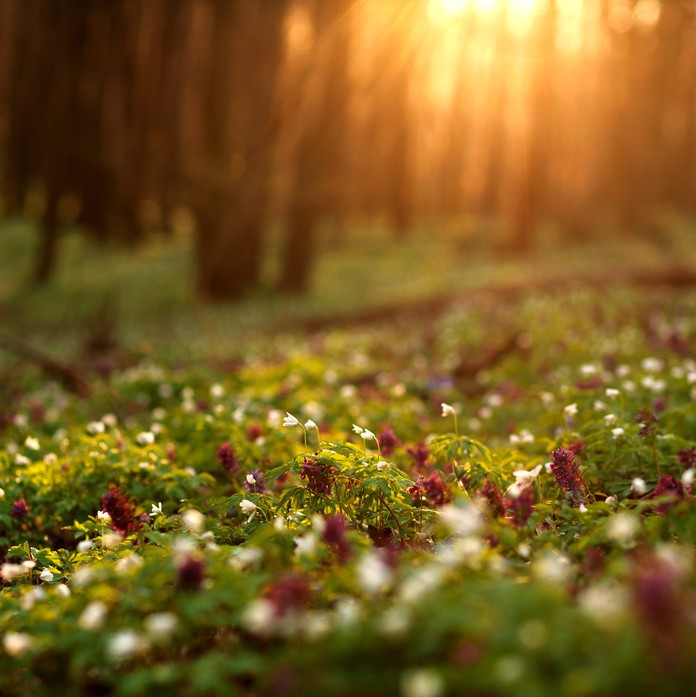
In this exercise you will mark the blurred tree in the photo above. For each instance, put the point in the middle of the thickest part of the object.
(320, 159)
(241, 121)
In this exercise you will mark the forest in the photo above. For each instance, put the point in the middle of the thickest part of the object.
(347, 347)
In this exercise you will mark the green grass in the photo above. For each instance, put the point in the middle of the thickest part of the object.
(151, 285)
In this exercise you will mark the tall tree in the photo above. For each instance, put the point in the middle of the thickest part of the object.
(320, 156)
(241, 120)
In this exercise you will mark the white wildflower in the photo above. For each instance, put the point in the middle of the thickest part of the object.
(306, 545)
(46, 576)
(84, 545)
(612, 392)
(9, 571)
(145, 438)
(95, 428)
(156, 510)
(125, 644)
(622, 527)
(610, 420)
(638, 486)
(422, 683)
(652, 365)
(448, 410)
(617, 433)
(570, 411)
(161, 625)
(461, 520)
(373, 573)
(309, 424)
(62, 590)
(17, 643)
(193, 519)
(32, 443)
(290, 420)
(687, 479)
(382, 465)
(93, 616)
(217, 391)
(103, 516)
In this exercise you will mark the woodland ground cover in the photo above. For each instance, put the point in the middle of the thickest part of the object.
(494, 500)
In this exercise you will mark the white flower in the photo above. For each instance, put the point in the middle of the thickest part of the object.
(217, 391)
(193, 519)
(422, 683)
(46, 576)
(248, 507)
(111, 540)
(109, 420)
(373, 574)
(156, 510)
(259, 617)
(84, 545)
(461, 521)
(32, 443)
(638, 486)
(290, 420)
(448, 410)
(306, 545)
(9, 572)
(552, 567)
(610, 419)
(687, 478)
(367, 435)
(103, 516)
(17, 643)
(145, 438)
(21, 459)
(125, 644)
(570, 411)
(652, 365)
(582, 508)
(309, 424)
(617, 432)
(95, 428)
(612, 392)
(93, 616)
(524, 476)
(2, 493)
(605, 604)
(251, 479)
(62, 590)
(622, 527)
(357, 429)
(161, 625)
(381, 465)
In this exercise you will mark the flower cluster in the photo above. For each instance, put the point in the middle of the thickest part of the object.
(566, 472)
(319, 476)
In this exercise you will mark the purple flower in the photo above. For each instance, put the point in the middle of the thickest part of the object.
(647, 420)
(388, 441)
(667, 486)
(290, 592)
(335, 536)
(19, 509)
(190, 574)
(255, 482)
(420, 455)
(493, 498)
(433, 490)
(227, 458)
(122, 511)
(687, 458)
(520, 507)
(565, 471)
(319, 476)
